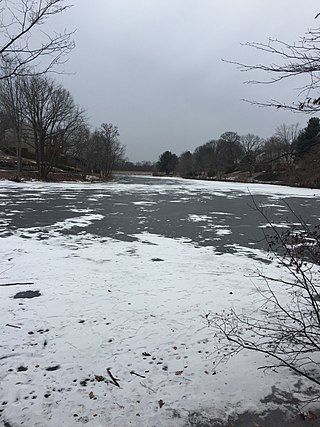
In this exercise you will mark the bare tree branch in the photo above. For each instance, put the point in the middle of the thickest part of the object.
(285, 327)
(24, 46)
(292, 60)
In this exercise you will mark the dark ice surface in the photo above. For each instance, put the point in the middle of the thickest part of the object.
(173, 208)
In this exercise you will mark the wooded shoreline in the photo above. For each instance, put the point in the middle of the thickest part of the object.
(60, 176)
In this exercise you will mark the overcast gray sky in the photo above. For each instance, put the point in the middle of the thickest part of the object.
(154, 68)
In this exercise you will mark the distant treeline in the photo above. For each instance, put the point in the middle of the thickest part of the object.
(291, 156)
(144, 166)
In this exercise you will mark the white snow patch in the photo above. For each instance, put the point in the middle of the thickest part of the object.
(142, 203)
(198, 218)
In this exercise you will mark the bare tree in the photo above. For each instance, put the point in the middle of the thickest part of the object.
(251, 145)
(108, 149)
(11, 101)
(217, 157)
(206, 159)
(295, 60)
(288, 134)
(82, 150)
(229, 151)
(23, 41)
(186, 165)
(51, 116)
(285, 326)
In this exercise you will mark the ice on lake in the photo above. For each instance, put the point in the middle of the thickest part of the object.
(107, 307)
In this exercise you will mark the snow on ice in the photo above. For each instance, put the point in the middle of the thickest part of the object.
(106, 314)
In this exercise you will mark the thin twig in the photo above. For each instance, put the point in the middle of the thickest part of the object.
(114, 380)
(138, 375)
(16, 284)
(13, 326)
(145, 386)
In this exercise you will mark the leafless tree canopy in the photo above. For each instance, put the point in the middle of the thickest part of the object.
(288, 133)
(250, 143)
(24, 43)
(290, 60)
(109, 148)
(11, 102)
(51, 116)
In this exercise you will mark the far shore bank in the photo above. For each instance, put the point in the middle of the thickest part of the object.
(64, 176)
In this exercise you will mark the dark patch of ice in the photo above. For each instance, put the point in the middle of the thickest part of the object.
(53, 368)
(27, 294)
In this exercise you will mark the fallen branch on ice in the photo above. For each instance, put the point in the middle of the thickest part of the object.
(16, 284)
(13, 326)
(114, 380)
(138, 375)
(145, 386)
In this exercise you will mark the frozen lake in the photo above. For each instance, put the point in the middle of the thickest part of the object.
(208, 214)
(125, 272)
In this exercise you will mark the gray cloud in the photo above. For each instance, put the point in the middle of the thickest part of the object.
(153, 67)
